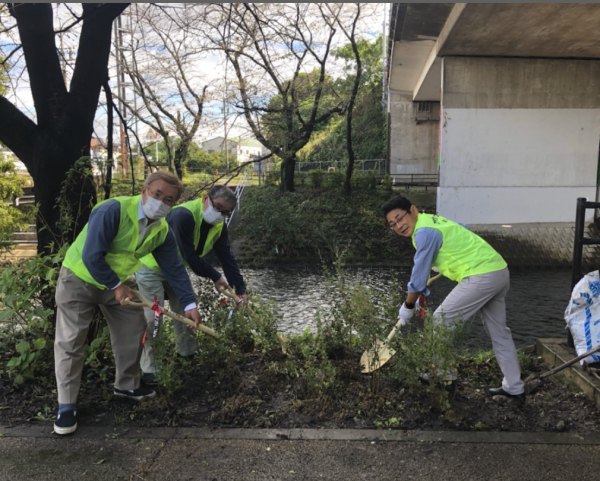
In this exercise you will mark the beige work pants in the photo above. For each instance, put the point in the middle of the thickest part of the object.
(75, 302)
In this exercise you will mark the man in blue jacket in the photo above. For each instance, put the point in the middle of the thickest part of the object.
(198, 227)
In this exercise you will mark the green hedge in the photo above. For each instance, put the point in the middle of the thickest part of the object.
(318, 223)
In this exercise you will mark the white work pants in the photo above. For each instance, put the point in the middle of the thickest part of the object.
(487, 293)
(153, 283)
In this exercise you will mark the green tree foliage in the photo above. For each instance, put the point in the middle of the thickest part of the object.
(318, 222)
(369, 123)
(11, 218)
(195, 159)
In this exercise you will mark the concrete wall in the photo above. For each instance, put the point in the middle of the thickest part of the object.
(413, 147)
(519, 139)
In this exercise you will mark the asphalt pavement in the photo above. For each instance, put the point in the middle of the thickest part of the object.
(92, 453)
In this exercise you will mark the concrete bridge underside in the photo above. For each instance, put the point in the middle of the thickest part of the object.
(503, 101)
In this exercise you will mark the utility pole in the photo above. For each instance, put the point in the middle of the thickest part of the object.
(225, 119)
(383, 57)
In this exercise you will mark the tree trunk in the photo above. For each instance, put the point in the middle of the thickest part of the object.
(180, 155)
(61, 215)
(287, 173)
(51, 148)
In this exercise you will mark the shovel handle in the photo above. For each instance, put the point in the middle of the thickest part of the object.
(572, 361)
(146, 303)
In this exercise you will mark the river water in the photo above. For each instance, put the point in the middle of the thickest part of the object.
(535, 303)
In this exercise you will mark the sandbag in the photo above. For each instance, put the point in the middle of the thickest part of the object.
(583, 315)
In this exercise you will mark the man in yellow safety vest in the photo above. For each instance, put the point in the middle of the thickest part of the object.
(482, 276)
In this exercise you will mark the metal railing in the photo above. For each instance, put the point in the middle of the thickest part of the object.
(408, 180)
(239, 191)
(363, 165)
(580, 240)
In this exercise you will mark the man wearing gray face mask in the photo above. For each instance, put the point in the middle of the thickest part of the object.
(95, 272)
(198, 227)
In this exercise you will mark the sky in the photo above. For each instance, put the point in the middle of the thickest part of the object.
(207, 70)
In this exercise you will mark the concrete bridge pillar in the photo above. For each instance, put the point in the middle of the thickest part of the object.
(519, 138)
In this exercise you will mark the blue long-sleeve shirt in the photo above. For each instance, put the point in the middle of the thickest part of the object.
(103, 227)
(428, 242)
(183, 225)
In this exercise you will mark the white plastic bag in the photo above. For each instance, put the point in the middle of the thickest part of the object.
(583, 315)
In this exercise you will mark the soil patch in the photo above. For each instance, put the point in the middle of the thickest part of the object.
(255, 394)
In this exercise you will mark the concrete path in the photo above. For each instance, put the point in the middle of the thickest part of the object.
(223, 455)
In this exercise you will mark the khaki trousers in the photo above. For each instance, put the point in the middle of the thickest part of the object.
(487, 293)
(153, 283)
(75, 302)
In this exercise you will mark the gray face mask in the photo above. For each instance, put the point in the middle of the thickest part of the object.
(212, 215)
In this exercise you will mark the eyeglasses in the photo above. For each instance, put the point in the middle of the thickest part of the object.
(158, 195)
(396, 222)
(219, 208)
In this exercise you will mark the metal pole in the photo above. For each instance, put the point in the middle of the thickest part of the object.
(577, 244)
(383, 52)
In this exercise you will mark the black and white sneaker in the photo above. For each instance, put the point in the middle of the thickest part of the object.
(66, 422)
(138, 394)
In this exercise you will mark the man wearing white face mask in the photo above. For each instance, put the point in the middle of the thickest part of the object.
(198, 227)
(120, 231)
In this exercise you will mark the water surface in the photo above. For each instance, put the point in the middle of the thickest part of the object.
(535, 303)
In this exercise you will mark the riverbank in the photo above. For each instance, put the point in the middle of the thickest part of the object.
(320, 224)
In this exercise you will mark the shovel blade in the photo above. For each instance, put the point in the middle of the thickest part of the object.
(376, 357)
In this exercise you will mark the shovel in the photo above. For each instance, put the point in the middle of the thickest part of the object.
(380, 353)
(232, 295)
(535, 380)
(146, 303)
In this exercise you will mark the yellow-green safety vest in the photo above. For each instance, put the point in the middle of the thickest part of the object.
(195, 207)
(463, 253)
(123, 255)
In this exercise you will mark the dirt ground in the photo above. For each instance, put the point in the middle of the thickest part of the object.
(254, 395)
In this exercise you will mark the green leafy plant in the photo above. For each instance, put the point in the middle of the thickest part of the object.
(22, 365)
(308, 360)
(316, 178)
(11, 218)
(431, 350)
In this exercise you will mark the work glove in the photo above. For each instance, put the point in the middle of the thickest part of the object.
(405, 314)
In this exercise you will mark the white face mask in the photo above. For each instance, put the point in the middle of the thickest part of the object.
(212, 215)
(154, 208)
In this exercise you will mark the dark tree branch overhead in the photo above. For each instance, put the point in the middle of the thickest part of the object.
(51, 147)
(16, 129)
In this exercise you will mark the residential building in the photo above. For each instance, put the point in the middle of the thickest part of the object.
(243, 149)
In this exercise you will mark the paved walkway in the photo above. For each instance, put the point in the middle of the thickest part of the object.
(198, 454)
